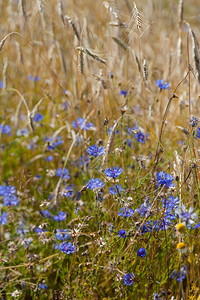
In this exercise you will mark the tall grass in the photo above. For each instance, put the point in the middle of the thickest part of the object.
(80, 73)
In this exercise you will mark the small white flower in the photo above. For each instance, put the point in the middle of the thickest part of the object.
(16, 294)
(186, 216)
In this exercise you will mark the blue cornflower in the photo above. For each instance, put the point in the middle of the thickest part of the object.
(7, 190)
(197, 225)
(114, 173)
(193, 121)
(69, 191)
(139, 134)
(164, 179)
(110, 130)
(145, 227)
(110, 75)
(129, 279)
(3, 218)
(38, 117)
(156, 296)
(53, 142)
(126, 212)
(22, 132)
(123, 93)
(46, 213)
(198, 133)
(42, 286)
(162, 85)
(116, 189)
(27, 242)
(5, 129)
(64, 173)
(122, 233)
(49, 158)
(181, 275)
(61, 234)
(171, 202)
(21, 230)
(141, 252)
(34, 78)
(1, 84)
(11, 200)
(81, 122)
(95, 183)
(60, 217)
(39, 230)
(144, 209)
(95, 151)
(67, 248)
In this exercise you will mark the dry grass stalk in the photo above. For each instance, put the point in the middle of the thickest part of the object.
(40, 6)
(110, 142)
(29, 116)
(23, 9)
(195, 45)
(74, 137)
(137, 16)
(81, 63)
(60, 10)
(5, 38)
(5, 73)
(179, 49)
(111, 10)
(71, 22)
(61, 57)
(20, 55)
(128, 5)
(137, 60)
(180, 13)
(101, 79)
(94, 56)
(145, 70)
(120, 43)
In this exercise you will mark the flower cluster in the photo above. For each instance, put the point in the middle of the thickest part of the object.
(163, 86)
(81, 123)
(8, 192)
(114, 173)
(5, 129)
(198, 133)
(141, 252)
(129, 279)
(126, 212)
(95, 151)
(60, 217)
(63, 173)
(95, 183)
(38, 117)
(193, 121)
(67, 248)
(123, 93)
(62, 234)
(34, 78)
(164, 179)
(122, 233)
(53, 142)
(181, 275)
(3, 218)
(115, 190)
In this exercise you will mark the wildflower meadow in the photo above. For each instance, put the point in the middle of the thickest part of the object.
(99, 149)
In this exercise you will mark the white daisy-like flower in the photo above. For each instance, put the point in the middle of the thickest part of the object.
(186, 216)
